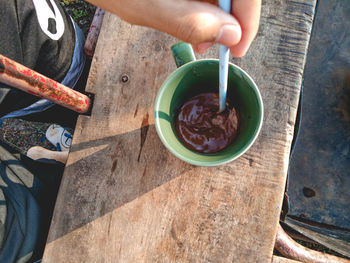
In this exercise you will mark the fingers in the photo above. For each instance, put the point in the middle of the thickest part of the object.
(247, 13)
(201, 24)
(190, 21)
(202, 47)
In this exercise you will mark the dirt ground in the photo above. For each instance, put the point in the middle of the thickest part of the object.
(22, 134)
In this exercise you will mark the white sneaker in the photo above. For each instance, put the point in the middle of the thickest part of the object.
(59, 137)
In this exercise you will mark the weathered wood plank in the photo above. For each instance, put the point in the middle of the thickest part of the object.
(125, 198)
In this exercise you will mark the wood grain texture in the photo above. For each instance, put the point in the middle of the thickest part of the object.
(125, 198)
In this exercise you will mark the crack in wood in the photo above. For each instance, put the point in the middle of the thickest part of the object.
(144, 131)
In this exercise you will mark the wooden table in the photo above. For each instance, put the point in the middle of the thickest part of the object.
(125, 198)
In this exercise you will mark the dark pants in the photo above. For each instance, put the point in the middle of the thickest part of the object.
(27, 196)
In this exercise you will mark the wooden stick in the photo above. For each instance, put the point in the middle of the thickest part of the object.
(291, 249)
(28, 80)
(91, 39)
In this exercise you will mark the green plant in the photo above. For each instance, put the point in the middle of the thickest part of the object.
(79, 13)
(68, 2)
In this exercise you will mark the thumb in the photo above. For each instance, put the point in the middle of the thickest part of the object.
(191, 21)
(196, 22)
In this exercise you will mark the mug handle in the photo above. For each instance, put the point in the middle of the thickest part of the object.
(182, 53)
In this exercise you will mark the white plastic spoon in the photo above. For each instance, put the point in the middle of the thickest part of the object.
(224, 56)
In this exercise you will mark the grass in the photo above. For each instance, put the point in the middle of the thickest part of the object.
(81, 11)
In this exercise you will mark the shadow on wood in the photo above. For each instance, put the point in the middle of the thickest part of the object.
(127, 184)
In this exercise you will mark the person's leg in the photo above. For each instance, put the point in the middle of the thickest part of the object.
(27, 188)
(27, 195)
(54, 50)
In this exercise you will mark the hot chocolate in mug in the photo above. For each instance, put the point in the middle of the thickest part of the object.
(193, 77)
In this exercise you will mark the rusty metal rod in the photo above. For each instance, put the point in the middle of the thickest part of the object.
(291, 249)
(18, 76)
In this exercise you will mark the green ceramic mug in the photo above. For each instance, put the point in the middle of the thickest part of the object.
(198, 76)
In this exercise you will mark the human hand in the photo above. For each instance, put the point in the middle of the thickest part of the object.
(197, 22)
